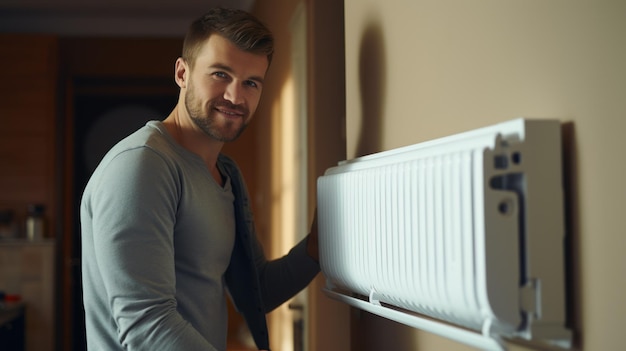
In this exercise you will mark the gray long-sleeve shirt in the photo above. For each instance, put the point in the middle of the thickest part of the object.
(155, 259)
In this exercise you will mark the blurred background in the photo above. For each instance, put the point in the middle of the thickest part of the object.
(81, 75)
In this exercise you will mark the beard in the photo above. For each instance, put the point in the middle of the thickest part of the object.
(210, 122)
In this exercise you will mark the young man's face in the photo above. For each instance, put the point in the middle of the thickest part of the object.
(223, 88)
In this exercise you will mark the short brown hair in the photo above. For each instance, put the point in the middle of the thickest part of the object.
(241, 28)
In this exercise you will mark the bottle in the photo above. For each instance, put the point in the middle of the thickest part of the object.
(35, 225)
(8, 227)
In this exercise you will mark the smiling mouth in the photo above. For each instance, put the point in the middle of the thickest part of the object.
(229, 112)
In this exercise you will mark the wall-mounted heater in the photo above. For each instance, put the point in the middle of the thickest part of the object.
(461, 236)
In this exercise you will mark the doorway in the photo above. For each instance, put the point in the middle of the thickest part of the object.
(105, 111)
(106, 97)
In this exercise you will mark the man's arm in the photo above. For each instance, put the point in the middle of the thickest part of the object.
(283, 278)
(133, 208)
(312, 246)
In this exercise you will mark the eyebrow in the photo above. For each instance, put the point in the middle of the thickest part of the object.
(228, 69)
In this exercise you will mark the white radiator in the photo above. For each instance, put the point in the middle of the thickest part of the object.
(461, 236)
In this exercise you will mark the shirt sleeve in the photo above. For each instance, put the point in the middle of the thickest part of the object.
(134, 210)
(282, 278)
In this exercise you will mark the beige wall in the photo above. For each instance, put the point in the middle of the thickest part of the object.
(417, 70)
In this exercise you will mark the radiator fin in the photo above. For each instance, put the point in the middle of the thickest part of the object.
(412, 222)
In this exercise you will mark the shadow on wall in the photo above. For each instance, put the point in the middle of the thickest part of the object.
(372, 87)
(368, 331)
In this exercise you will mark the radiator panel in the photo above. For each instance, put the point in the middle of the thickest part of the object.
(439, 228)
(413, 224)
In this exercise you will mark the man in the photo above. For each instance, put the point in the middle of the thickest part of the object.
(166, 222)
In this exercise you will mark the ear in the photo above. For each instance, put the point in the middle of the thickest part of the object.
(181, 73)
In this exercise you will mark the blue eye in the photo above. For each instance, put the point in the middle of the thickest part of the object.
(220, 74)
(251, 83)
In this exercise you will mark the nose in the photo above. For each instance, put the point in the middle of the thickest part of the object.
(234, 93)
